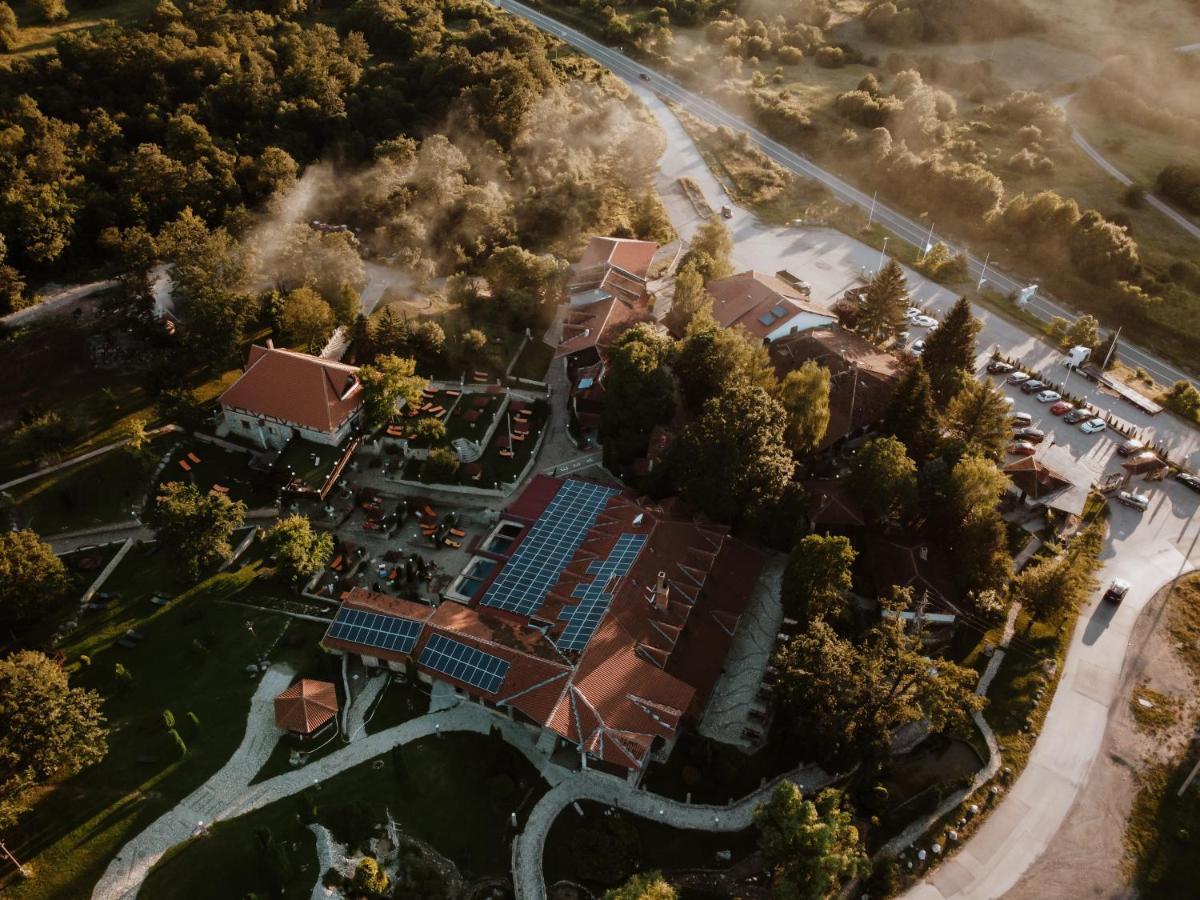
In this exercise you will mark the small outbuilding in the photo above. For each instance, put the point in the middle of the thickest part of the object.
(306, 707)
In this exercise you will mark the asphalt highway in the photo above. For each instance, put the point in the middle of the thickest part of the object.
(905, 228)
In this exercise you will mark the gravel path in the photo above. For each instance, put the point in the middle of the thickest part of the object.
(125, 873)
(592, 785)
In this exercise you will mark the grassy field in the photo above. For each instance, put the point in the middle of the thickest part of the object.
(647, 844)
(192, 660)
(534, 361)
(456, 791)
(39, 37)
(106, 489)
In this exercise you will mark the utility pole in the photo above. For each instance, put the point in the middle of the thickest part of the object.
(853, 393)
(1112, 348)
(882, 254)
(871, 215)
(928, 242)
(983, 272)
(20, 868)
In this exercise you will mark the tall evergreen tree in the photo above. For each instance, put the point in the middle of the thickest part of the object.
(978, 418)
(949, 355)
(881, 314)
(912, 417)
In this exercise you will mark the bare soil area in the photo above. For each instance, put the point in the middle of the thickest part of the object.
(1087, 857)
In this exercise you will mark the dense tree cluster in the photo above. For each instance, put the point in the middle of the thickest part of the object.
(944, 21)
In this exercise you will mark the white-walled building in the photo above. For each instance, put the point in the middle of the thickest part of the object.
(285, 394)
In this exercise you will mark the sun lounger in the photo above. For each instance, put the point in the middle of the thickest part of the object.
(458, 532)
(457, 545)
(194, 458)
(220, 489)
(519, 436)
(506, 453)
(183, 464)
(453, 393)
(478, 475)
(395, 431)
(336, 565)
(428, 511)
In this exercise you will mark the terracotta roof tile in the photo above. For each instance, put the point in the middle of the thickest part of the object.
(744, 299)
(319, 394)
(306, 706)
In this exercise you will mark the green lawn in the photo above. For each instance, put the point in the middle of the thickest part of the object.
(309, 462)
(581, 847)
(38, 37)
(456, 791)
(227, 468)
(534, 360)
(401, 700)
(192, 659)
(713, 772)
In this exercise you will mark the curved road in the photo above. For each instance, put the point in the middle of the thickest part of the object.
(908, 230)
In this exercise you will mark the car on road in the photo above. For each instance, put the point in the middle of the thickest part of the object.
(1134, 499)
(999, 367)
(1075, 416)
(1021, 420)
(1061, 407)
(726, 212)
(1189, 480)
(1117, 590)
(918, 347)
(1093, 426)
(924, 321)
(1030, 435)
(1017, 378)
(643, 76)
(1049, 397)
(1130, 447)
(1022, 448)
(1032, 386)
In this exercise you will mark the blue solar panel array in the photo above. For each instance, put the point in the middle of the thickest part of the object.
(375, 630)
(538, 561)
(458, 660)
(595, 600)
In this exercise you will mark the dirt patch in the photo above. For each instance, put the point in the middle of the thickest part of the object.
(1087, 856)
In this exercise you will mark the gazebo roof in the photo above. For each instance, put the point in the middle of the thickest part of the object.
(306, 706)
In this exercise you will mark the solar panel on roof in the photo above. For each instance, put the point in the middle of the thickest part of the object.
(779, 311)
(538, 561)
(378, 630)
(586, 615)
(464, 663)
(766, 318)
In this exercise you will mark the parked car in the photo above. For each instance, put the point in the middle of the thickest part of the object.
(1134, 499)
(1021, 420)
(726, 212)
(1075, 416)
(1032, 386)
(1017, 378)
(1049, 397)
(913, 311)
(1062, 406)
(1117, 590)
(1093, 426)
(1022, 448)
(1189, 480)
(918, 347)
(1130, 447)
(924, 321)
(999, 367)
(1031, 435)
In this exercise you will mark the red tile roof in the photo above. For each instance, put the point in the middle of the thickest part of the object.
(632, 256)
(1034, 478)
(649, 665)
(596, 325)
(306, 706)
(744, 299)
(296, 388)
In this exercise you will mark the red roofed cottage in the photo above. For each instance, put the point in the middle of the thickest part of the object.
(283, 394)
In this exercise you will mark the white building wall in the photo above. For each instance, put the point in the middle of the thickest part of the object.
(805, 321)
(273, 434)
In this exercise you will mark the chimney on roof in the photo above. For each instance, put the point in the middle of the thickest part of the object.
(662, 593)
(270, 344)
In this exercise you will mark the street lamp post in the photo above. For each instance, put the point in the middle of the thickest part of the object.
(882, 254)
(983, 272)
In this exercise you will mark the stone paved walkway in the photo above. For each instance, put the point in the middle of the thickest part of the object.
(602, 788)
